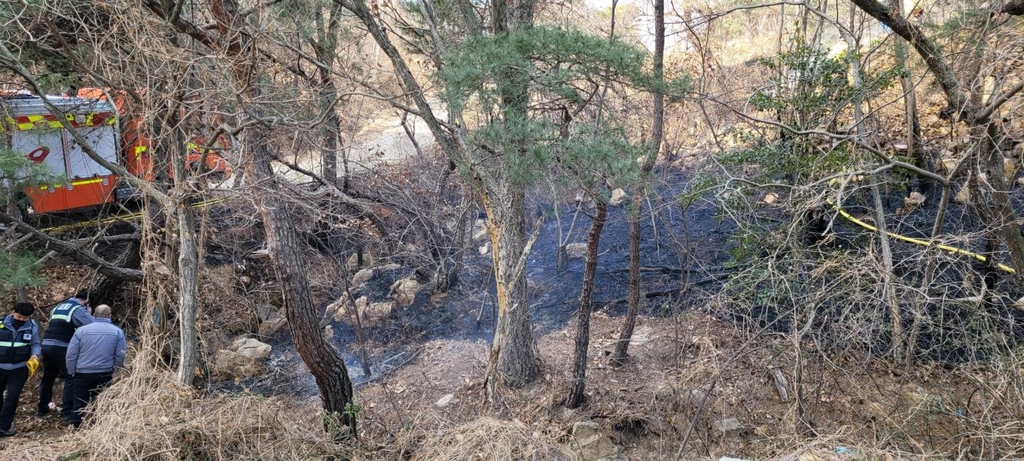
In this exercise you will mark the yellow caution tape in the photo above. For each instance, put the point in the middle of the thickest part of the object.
(123, 217)
(940, 246)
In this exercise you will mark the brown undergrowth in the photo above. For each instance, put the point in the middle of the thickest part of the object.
(684, 375)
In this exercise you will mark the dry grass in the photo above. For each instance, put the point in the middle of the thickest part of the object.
(144, 415)
(492, 439)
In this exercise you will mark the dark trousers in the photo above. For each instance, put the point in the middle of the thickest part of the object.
(87, 386)
(54, 366)
(13, 381)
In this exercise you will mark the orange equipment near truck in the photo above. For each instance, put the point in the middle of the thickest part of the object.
(79, 181)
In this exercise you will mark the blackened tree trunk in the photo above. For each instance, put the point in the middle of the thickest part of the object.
(577, 392)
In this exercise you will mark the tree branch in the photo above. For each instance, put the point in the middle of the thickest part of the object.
(944, 74)
(74, 250)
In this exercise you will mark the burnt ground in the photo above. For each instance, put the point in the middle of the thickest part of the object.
(683, 259)
(437, 346)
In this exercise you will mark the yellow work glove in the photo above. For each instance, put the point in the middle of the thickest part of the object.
(33, 365)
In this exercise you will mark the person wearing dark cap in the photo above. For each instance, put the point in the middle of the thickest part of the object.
(95, 351)
(65, 318)
(19, 343)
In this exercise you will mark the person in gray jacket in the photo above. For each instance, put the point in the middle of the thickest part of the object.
(95, 351)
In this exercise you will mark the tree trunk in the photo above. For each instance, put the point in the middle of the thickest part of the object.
(913, 128)
(888, 286)
(188, 262)
(325, 48)
(323, 360)
(577, 393)
(513, 344)
(188, 253)
(640, 191)
(512, 354)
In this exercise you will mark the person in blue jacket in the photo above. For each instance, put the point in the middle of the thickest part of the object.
(96, 350)
(19, 343)
(65, 318)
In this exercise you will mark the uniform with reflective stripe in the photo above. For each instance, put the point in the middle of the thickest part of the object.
(17, 345)
(62, 326)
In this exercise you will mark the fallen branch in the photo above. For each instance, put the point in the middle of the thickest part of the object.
(70, 249)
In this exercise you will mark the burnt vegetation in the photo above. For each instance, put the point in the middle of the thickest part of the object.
(507, 230)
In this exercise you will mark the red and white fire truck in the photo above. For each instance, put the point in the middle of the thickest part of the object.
(29, 128)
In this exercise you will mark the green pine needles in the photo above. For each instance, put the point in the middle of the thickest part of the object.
(524, 86)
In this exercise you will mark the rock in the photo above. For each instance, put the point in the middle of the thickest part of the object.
(728, 427)
(370, 312)
(329, 332)
(771, 198)
(270, 328)
(252, 348)
(338, 309)
(352, 263)
(260, 255)
(618, 196)
(444, 401)
(362, 277)
(403, 291)
(915, 198)
(699, 396)
(484, 248)
(267, 312)
(362, 303)
(1009, 170)
(964, 195)
(947, 162)
(592, 445)
(377, 311)
(480, 231)
(230, 365)
(576, 250)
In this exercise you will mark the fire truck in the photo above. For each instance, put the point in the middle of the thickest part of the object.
(28, 128)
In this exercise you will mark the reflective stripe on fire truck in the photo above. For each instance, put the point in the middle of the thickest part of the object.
(81, 182)
(30, 122)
